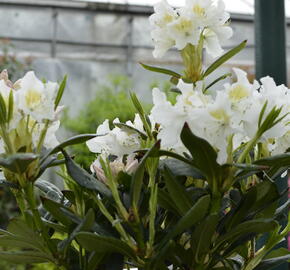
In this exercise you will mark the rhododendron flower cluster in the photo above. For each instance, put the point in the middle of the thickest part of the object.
(32, 117)
(230, 116)
(198, 20)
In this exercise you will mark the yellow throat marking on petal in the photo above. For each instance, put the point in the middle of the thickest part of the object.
(167, 18)
(198, 10)
(32, 98)
(220, 114)
(184, 25)
(238, 92)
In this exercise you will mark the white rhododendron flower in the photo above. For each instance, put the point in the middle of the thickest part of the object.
(116, 141)
(233, 111)
(37, 98)
(181, 26)
(33, 112)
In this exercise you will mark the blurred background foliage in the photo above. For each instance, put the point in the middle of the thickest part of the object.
(111, 101)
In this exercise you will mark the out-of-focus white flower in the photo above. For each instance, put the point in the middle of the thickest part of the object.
(37, 98)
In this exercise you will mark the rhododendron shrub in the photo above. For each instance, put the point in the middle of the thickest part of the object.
(189, 186)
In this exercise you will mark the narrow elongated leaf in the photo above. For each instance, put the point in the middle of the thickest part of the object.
(24, 257)
(193, 216)
(203, 154)
(71, 141)
(130, 129)
(10, 106)
(138, 176)
(272, 263)
(95, 259)
(177, 193)
(253, 226)
(18, 163)
(180, 168)
(202, 236)
(217, 80)
(98, 243)
(83, 178)
(161, 70)
(84, 225)
(55, 209)
(60, 92)
(3, 110)
(224, 58)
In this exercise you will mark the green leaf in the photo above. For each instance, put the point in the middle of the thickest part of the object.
(3, 110)
(217, 80)
(60, 92)
(130, 130)
(161, 70)
(25, 257)
(95, 259)
(180, 168)
(71, 141)
(10, 106)
(138, 177)
(83, 178)
(17, 163)
(55, 209)
(202, 237)
(20, 231)
(85, 225)
(177, 193)
(197, 212)
(203, 154)
(224, 58)
(102, 244)
(273, 262)
(256, 226)
(278, 253)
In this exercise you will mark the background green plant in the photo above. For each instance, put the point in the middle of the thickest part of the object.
(111, 101)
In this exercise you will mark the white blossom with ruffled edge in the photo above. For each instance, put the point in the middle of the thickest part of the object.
(36, 98)
(185, 25)
(234, 110)
(116, 141)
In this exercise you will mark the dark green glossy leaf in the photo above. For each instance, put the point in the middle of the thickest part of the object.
(83, 178)
(256, 226)
(98, 243)
(25, 257)
(224, 58)
(55, 209)
(85, 225)
(177, 193)
(180, 168)
(203, 154)
(161, 70)
(197, 212)
(202, 237)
